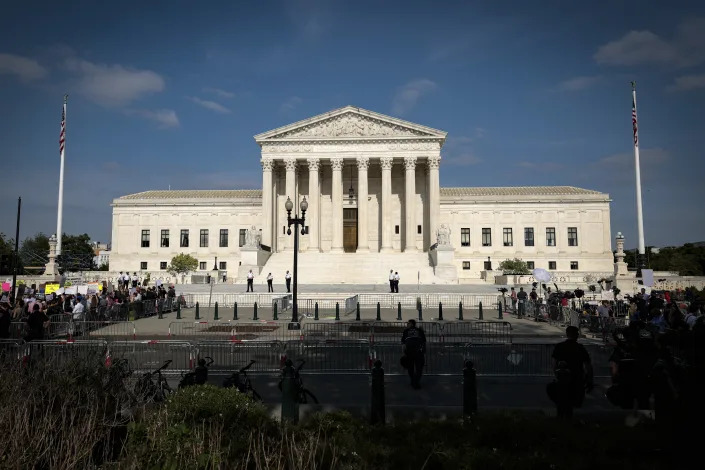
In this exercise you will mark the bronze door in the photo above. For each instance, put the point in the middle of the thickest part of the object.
(350, 230)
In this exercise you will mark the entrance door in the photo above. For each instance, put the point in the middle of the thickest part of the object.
(349, 230)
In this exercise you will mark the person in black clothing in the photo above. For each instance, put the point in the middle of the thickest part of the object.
(573, 370)
(172, 292)
(201, 372)
(5, 320)
(35, 324)
(521, 299)
(414, 341)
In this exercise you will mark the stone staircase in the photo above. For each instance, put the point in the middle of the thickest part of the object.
(352, 268)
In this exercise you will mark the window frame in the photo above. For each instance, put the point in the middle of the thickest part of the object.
(164, 238)
(487, 236)
(552, 232)
(223, 231)
(202, 266)
(465, 233)
(507, 234)
(574, 266)
(466, 265)
(145, 238)
(222, 265)
(201, 243)
(529, 241)
(184, 241)
(143, 265)
(242, 236)
(572, 241)
(554, 264)
(163, 265)
(531, 265)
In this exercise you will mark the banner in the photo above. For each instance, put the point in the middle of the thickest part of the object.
(51, 288)
(71, 290)
(6, 286)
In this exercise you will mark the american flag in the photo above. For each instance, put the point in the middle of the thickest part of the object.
(636, 133)
(62, 135)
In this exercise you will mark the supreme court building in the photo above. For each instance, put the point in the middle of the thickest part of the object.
(372, 184)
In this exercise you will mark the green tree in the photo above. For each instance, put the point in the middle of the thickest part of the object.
(34, 251)
(514, 266)
(104, 267)
(76, 253)
(182, 264)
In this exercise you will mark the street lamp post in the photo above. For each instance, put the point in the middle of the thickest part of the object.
(213, 277)
(295, 221)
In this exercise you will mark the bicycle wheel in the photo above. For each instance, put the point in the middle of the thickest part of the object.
(305, 392)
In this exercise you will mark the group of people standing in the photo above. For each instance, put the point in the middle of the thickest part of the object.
(393, 282)
(270, 281)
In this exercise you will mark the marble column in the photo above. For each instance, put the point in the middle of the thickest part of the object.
(386, 163)
(434, 197)
(363, 241)
(291, 193)
(267, 206)
(410, 204)
(337, 204)
(313, 213)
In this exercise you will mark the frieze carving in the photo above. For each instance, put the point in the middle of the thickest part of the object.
(336, 164)
(290, 164)
(267, 164)
(363, 163)
(333, 145)
(386, 163)
(314, 164)
(434, 162)
(351, 125)
(410, 163)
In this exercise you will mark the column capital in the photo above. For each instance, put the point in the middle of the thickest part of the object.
(336, 163)
(434, 162)
(290, 164)
(314, 164)
(267, 164)
(386, 163)
(410, 163)
(363, 163)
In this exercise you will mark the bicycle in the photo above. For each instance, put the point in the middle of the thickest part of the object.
(147, 390)
(199, 376)
(302, 393)
(242, 382)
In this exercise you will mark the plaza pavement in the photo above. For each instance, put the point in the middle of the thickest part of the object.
(404, 288)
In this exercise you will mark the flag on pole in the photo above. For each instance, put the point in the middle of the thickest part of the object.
(634, 127)
(62, 135)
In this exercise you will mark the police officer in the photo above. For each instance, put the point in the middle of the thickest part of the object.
(396, 282)
(391, 281)
(287, 278)
(270, 280)
(414, 341)
(250, 281)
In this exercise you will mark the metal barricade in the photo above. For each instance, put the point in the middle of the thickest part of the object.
(351, 303)
(230, 357)
(337, 331)
(391, 331)
(145, 356)
(264, 331)
(203, 330)
(283, 302)
(341, 357)
(121, 330)
(18, 330)
(439, 359)
(61, 318)
(57, 330)
(11, 350)
(478, 332)
(60, 352)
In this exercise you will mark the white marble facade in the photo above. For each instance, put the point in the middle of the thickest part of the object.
(397, 205)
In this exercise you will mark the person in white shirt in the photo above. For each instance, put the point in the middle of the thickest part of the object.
(391, 281)
(250, 281)
(135, 280)
(396, 282)
(78, 311)
(287, 278)
(270, 280)
(126, 281)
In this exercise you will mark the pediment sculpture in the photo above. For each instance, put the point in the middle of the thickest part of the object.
(352, 125)
(443, 235)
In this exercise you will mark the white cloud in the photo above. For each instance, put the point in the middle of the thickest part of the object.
(113, 85)
(686, 48)
(212, 105)
(579, 83)
(22, 67)
(165, 118)
(290, 104)
(408, 95)
(219, 92)
(688, 82)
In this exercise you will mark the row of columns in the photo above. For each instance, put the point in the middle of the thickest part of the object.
(337, 163)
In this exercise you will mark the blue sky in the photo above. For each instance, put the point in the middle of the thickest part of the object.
(530, 93)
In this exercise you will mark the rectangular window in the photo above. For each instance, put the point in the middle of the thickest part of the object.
(145, 238)
(552, 265)
(165, 238)
(508, 237)
(284, 230)
(162, 265)
(223, 237)
(466, 265)
(143, 265)
(573, 236)
(528, 236)
(464, 237)
(574, 265)
(396, 229)
(222, 265)
(184, 238)
(530, 265)
(204, 238)
(305, 230)
(202, 265)
(486, 237)
(418, 229)
(550, 236)
(488, 265)
(243, 234)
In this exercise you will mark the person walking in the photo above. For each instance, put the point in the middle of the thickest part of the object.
(391, 281)
(287, 279)
(270, 280)
(396, 282)
(414, 341)
(250, 281)
(573, 372)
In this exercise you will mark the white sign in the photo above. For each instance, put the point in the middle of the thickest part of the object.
(647, 275)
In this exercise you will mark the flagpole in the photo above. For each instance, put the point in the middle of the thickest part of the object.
(59, 216)
(639, 212)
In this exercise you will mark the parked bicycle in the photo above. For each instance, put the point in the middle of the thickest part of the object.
(303, 394)
(200, 374)
(147, 389)
(242, 382)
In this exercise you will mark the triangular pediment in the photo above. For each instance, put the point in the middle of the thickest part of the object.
(350, 123)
